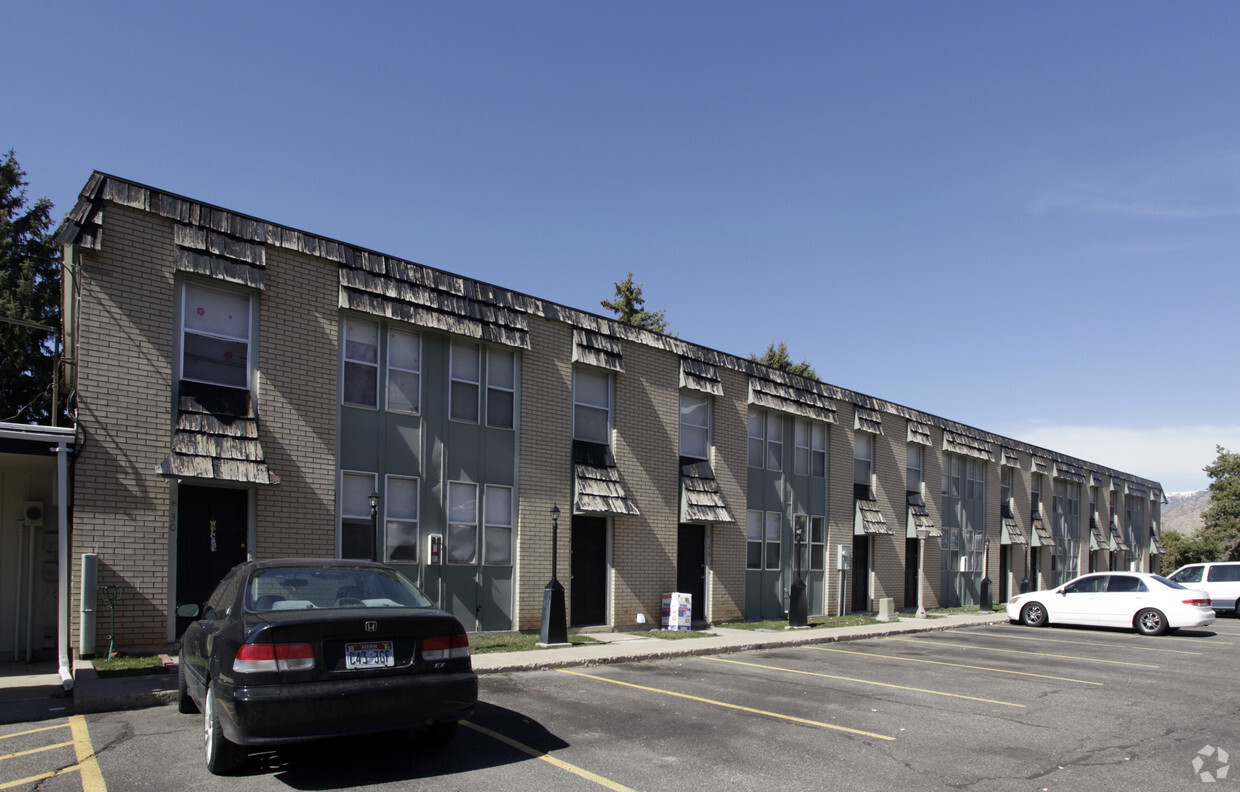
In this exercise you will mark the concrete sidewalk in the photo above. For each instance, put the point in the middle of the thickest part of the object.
(30, 692)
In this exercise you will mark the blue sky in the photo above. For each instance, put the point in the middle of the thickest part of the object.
(1021, 216)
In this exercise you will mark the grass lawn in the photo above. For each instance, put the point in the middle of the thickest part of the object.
(673, 635)
(778, 625)
(515, 642)
(128, 666)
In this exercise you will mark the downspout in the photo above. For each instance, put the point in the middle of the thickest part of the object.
(62, 640)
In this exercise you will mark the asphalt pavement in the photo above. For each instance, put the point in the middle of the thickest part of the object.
(33, 691)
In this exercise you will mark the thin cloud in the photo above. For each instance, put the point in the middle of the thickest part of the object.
(1090, 204)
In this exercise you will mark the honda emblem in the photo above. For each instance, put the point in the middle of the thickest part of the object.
(372, 626)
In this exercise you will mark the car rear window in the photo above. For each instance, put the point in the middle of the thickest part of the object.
(1168, 583)
(1224, 573)
(300, 588)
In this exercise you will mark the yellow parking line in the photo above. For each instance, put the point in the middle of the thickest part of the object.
(1099, 645)
(957, 665)
(34, 731)
(731, 706)
(537, 754)
(32, 779)
(88, 764)
(1018, 651)
(865, 682)
(35, 750)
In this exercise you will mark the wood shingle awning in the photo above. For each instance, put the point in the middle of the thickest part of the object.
(701, 500)
(597, 488)
(216, 438)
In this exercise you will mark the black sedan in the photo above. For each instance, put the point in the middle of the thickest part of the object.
(295, 649)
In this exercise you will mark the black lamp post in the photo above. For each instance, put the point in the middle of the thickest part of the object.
(554, 622)
(983, 599)
(374, 523)
(798, 609)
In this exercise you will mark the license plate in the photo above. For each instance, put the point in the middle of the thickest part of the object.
(376, 654)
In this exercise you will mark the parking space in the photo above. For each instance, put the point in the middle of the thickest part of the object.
(49, 756)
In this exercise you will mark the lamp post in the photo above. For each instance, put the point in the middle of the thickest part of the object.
(374, 523)
(923, 533)
(554, 622)
(798, 611)
(983, 600)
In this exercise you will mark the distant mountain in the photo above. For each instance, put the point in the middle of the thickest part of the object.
(1182, 511)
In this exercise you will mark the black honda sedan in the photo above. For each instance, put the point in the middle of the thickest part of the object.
(297, 649)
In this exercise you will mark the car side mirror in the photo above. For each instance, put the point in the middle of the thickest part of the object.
(188, 611)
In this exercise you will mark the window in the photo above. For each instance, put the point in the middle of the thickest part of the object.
(1005, 487)
(215, 343)
(464, 390)
(774, 441)
(497, 528)
(501, 388)
(753, 540)
(772, 540)
(817, 543)
(1222, 573)
(818, 450)
(400, 508)
(800, 447)
(800, 539)
(404, 378)
(913, 468)
(863, 464)
(757, 439)
(591, 406)
(694, 425)
(462, 523)
(975, 480)
(361, 363)
(1035, 493)
(357, 536)
(953, 470)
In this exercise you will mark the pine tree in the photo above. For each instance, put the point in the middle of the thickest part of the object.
(776, 356)
(29, 300)
(1221, 519)
(628, 307)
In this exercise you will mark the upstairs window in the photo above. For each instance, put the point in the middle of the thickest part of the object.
(694, 425)
(800, 447)
(953, 474)
(757, 438)
(215, 343)
(774, 441)
(400, 523)
(501, 388)
(818, 451)
(912, 468)
(361, 363)
(863, 465)
(404, 372)
(591, 406)
(465, 388)
(975, 480)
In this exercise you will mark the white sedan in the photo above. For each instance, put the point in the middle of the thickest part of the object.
(1150, 604)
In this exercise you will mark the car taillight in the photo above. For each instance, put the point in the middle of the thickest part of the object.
(253, 657)
(1205, 603)
(445, 647)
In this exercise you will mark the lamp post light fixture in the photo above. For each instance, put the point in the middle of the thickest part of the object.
(373, 497)
(554, 630)
(923, 533)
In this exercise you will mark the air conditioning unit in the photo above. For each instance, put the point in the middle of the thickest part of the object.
(32, 514)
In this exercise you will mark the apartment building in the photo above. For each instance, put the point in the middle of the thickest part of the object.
(245, 389)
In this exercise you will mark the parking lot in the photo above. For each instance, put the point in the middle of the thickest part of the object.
(995, 708)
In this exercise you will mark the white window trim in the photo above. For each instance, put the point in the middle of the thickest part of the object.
(342, 514)
(610, 402)
(449, 522)
(801, 465)
(387, 375)
(488, 523)
(817, 430)
(811, 544)
(417, 518)
(249, 326)
(453, 378)
(705, 399)
(344, 352)
(516, 377)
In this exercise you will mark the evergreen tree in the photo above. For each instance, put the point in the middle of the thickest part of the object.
(29, 300)
(776, 356)
(628, 307)
(1221, 519)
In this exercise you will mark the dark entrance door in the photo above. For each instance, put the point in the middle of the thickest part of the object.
(691, 566)
(861, 573)
(911, 576)
(1005, 566)
(212, 524)
(588, 569)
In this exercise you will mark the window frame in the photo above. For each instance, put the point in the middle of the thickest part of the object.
(357, 363)
(757, 442)
(753, 539)
(415, 521)
(185, 331)
(818, 450)
(914, 450)
(459, 384)
(817, 547)
(392, 367)
(773, 458)
(355, 518)
(800, 447)
(496, 388)
(489, 524)
(452, 523)
(769, 542)
(694, 429)
(863, 440)
(578, 406)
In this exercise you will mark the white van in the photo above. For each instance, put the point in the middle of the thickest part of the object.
(1221, 579)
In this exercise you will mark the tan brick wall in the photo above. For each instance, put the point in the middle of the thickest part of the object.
(297, 406)
(840, 503)
(934, 503)
(120, 503)
(731, 465)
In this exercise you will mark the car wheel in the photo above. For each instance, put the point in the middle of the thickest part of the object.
(1033, 615)
(440, 733)
(185, 703)
(1150, 622)
(222, 756)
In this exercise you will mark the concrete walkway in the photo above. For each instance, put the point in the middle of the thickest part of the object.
(32, 691)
